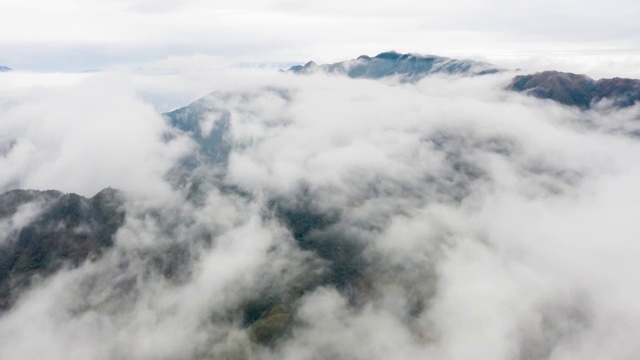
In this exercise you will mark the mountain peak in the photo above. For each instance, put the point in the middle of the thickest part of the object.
(391, 55)
(4, 68)
(307, 68)
(408, 67)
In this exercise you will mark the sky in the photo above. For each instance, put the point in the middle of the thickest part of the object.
(594, 37)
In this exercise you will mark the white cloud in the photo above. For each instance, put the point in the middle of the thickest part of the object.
(484, 222)
(84, 137)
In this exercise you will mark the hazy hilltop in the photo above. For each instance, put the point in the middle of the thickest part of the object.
(565, 88)
(409, 67)
(578, 90)
(44, 231)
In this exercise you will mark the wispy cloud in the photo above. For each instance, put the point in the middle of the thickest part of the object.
(445, 219)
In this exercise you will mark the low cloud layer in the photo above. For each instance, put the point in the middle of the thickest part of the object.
(82, 137)
(353, 219)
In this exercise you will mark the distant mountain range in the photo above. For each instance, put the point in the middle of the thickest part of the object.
(566, 88)
(409, 67)
(577, 90)
(4, 68)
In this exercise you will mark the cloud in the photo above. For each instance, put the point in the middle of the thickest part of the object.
(84, 137)
(442, 219)
(22, 217)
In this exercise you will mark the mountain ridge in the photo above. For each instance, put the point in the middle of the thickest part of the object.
(410, 66)
(43, 231)
(577, 89)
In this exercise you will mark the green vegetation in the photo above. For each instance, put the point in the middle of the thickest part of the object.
(273, 324)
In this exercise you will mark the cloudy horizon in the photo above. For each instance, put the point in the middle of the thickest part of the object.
(75, 36)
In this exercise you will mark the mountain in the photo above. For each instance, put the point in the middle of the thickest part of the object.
(42, 231)
(207, 122)
(409, 67)
(566, 88)
(577, 90)
(4, 68)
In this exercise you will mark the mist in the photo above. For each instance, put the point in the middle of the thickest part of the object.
(446, 219)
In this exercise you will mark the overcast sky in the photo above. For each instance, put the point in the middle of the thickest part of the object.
(597, 37)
